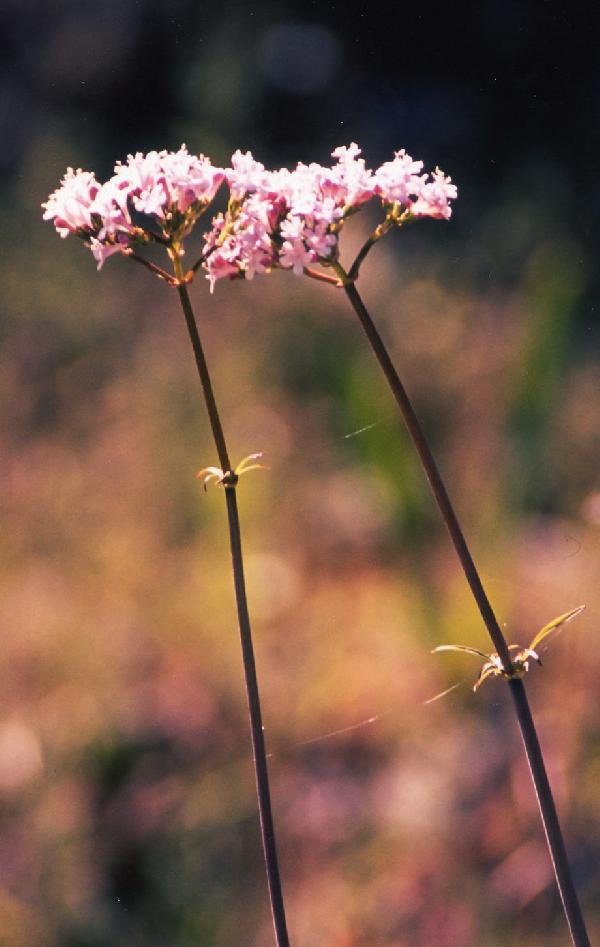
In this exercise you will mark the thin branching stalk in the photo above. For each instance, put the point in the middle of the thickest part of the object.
(157, 270)
(529, 736)
(256, 726)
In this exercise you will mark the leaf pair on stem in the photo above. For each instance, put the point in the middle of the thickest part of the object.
(494, 667)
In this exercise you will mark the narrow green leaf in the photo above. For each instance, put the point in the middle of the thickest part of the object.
(485, 673)
(461, 647)
(553, 625)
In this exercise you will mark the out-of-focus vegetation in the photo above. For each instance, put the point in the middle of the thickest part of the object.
(128, 804)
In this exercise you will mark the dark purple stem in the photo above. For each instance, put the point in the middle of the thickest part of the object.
(554, 837)
(256, 725)
(433, 474)
(531, 743)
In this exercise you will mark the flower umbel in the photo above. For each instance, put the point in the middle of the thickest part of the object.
(293, 219)
(288, 219)
(494, 667)
(165, 191)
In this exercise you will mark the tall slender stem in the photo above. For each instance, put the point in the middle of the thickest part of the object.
(433, 475)
(550, 821)
(207, 388)
(256, 725)
(529, 736)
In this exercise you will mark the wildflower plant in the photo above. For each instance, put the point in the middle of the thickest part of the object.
(157, 199)
(293, 220)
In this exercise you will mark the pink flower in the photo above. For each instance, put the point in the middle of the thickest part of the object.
(400, 181)
(433, 197)
(240, 246)
(397, 181)
(222, 264)
(286, 218)
(294, 253)
(111, 209)
(71, 204)
(351, 176)
(190, 179)
(245, 174)
(161, 183)
(101, 250)
(173, 187)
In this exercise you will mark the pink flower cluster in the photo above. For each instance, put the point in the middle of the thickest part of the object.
(288, 219)
(293, 219)
(174, 188)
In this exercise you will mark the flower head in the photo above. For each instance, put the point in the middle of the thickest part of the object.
(172, 189)
(283, 218)
(245, 174)
(433, 197)
(163, 184)
(293, 218)
(398, 181)
(70, 206)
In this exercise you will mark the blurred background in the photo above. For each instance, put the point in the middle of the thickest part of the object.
(126, 784)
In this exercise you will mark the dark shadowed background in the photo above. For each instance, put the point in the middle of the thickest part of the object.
(127, 797)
